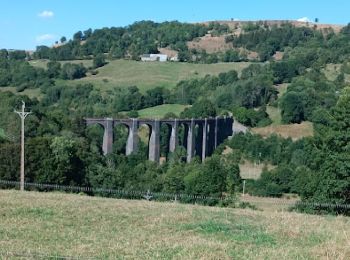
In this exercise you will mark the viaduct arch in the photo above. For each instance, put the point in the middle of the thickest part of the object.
(210, 133)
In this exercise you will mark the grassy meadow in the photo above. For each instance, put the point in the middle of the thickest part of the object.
(30, 92)
(274, 114)
(42, 63)
(147, 75)
(58, 224)
(161, 110)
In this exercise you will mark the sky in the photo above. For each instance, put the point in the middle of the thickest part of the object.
(25, 24)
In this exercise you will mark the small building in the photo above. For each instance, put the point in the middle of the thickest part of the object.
(154, 57)
(175, 58)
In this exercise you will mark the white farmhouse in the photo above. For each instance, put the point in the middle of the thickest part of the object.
(154, 57)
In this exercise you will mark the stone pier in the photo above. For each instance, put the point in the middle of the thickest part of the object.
(201, 136)
(132, 143)
(154, 142)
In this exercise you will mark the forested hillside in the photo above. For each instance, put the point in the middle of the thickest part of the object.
(78, 79)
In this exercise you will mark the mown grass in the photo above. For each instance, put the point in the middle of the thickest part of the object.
(148, 75)
(81, 226)
(161, 111)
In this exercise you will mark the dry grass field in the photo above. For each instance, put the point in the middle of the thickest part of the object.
(250, 170)
(38, 225)
(294, 131)
(211, 44)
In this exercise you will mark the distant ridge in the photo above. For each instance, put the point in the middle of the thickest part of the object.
(238, 23)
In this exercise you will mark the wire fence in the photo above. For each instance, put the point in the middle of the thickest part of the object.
(162, 196)
(120, 193)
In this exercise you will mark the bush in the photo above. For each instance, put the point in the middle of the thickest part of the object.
(274, 183)
(72, 71)
(98, 61)
(21, 87)
(133, 114)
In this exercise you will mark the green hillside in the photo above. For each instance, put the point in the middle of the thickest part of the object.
(55, 224)
(147, 75)
(161, 111)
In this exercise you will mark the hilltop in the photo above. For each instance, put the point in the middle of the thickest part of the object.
(241, 23)
(212, 43)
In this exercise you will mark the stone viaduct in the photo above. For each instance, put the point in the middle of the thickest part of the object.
(201, 136)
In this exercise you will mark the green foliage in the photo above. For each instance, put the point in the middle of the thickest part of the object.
(306, 95)
(210, 179)
(267, 41)
(227, 90)
(15, 71)
(330, 167)
(98, 61)
(201, 109)
(72, 71)
(157, 96)
(274, 183)
(273, 149)
(134, 40)
(174, 179)
(9, 161)
(305, 182)
(292, 108)
(218, 28)
(251, 117)
(53, 69)
(284, 71)
(133, 114)
(250, 26)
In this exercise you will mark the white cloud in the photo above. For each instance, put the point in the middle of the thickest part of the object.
(304, 20)
(46, 14)
(45, 37)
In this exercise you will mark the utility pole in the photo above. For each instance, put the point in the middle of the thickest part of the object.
(23, 116)
(243, 188)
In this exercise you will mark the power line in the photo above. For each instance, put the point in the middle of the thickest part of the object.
(23, 116)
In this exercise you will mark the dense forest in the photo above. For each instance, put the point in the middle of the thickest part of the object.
(61, 150)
